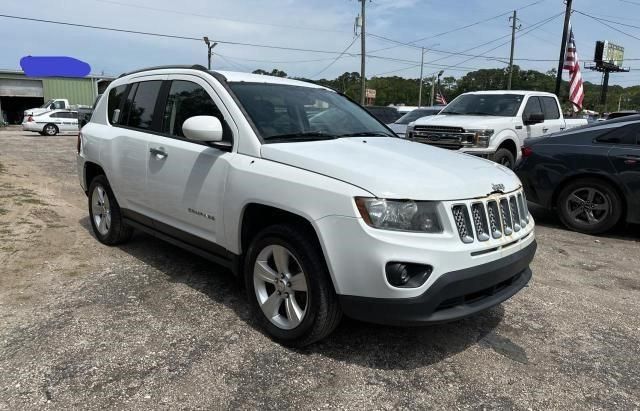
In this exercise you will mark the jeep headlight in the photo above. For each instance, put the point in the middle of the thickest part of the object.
(482, 137)
(400, 215)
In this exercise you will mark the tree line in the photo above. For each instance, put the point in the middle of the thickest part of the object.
(399, 90)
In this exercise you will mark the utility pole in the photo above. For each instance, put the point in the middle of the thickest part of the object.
(514, 20)
(362, 56)
(433, 89)
(209, 47)
(421, 68)
(563, 46)
(619, 102)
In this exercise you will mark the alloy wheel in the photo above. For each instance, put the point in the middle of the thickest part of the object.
(101, 210)
(280, 287)
(50, 130)
(588, 205)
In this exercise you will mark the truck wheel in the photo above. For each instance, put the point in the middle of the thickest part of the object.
(50, 130)
(105, 215)
(289, 286)
(504, 157)
(589, 206)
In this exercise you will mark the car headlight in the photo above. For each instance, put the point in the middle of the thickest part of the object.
(409, 130)
(482, 137)
(400, 215)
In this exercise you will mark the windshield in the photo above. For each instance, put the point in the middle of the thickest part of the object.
(501, 105)
(47, 104)
(416, 114)
(285, 113)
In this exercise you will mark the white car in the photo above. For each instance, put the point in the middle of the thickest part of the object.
(318, 218)
(52, 122)
(493, 124)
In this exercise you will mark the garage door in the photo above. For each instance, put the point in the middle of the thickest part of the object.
(20, 88)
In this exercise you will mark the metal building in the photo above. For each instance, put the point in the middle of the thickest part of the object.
(19, 92)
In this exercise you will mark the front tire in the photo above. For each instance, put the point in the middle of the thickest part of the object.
(505, 157)
(105, 214)
(289, 287)
(589, 206)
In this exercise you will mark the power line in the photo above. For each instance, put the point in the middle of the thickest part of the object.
(212, 17)
(171, 36)
(602, 21)
(337, 57)
(412, 43)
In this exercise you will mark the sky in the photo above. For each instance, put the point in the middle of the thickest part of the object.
(320, 25)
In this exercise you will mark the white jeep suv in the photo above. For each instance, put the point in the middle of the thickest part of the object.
(314, 203)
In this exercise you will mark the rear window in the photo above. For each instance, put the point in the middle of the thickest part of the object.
(116, 95)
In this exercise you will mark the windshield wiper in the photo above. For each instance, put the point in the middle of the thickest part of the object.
(367, 134)
(480, 113)
(451, 112)
(301, 136)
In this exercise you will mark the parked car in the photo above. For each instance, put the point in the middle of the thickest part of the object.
(52, 122)
(400, 125)
(493, 124)
(589, 176)
(318, 218)
(618, 114)
(384, 113)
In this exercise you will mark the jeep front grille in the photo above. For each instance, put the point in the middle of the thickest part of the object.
(463, 224)
(495, 218)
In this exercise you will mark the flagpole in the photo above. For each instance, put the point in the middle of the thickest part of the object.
(563, 47)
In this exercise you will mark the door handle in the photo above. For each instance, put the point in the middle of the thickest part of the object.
(544, 130)
(159, 152)
(630, 159)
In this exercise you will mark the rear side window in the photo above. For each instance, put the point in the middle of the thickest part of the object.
(143, 105)
(550, 107)
(185, 100)
(627, 135)
(116, 95)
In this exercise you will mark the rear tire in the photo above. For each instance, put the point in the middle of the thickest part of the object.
(50, 130)
(589, 206)
(505, 157)
(105, 214)
(280, 263)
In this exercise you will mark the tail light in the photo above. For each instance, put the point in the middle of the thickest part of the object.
(527, 151)
(79, 143)
(29, 119)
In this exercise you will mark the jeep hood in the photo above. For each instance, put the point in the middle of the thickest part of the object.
(396, 168)
(457, 120)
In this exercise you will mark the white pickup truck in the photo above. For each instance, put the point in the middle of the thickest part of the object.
(493, 124)
(54, 104)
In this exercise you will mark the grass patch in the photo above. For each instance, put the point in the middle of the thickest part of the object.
(30, 200)
(3, 211)
(3, 169)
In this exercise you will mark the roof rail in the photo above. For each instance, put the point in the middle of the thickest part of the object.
(171, 66)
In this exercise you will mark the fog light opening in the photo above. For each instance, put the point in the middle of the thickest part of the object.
(407, 275)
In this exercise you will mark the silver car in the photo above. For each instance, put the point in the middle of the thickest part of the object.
(400, 126)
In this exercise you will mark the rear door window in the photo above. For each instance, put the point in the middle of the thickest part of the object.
(550, 107)
(143, 105)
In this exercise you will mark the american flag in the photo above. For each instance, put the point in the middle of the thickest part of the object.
(440, 100)
(572, 64)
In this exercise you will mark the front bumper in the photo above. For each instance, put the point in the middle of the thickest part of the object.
(454, 295)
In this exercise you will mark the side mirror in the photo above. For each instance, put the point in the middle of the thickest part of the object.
(533, 118)
(115, 117)
(52, 106)
(203, 128)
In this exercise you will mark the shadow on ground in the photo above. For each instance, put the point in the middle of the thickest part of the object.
(548, 218)
(368, 345)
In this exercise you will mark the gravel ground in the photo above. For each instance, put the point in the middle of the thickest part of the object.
(149, 326)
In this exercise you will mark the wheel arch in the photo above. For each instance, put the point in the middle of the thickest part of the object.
(91, 171)
(510, 144)
(602, 177)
